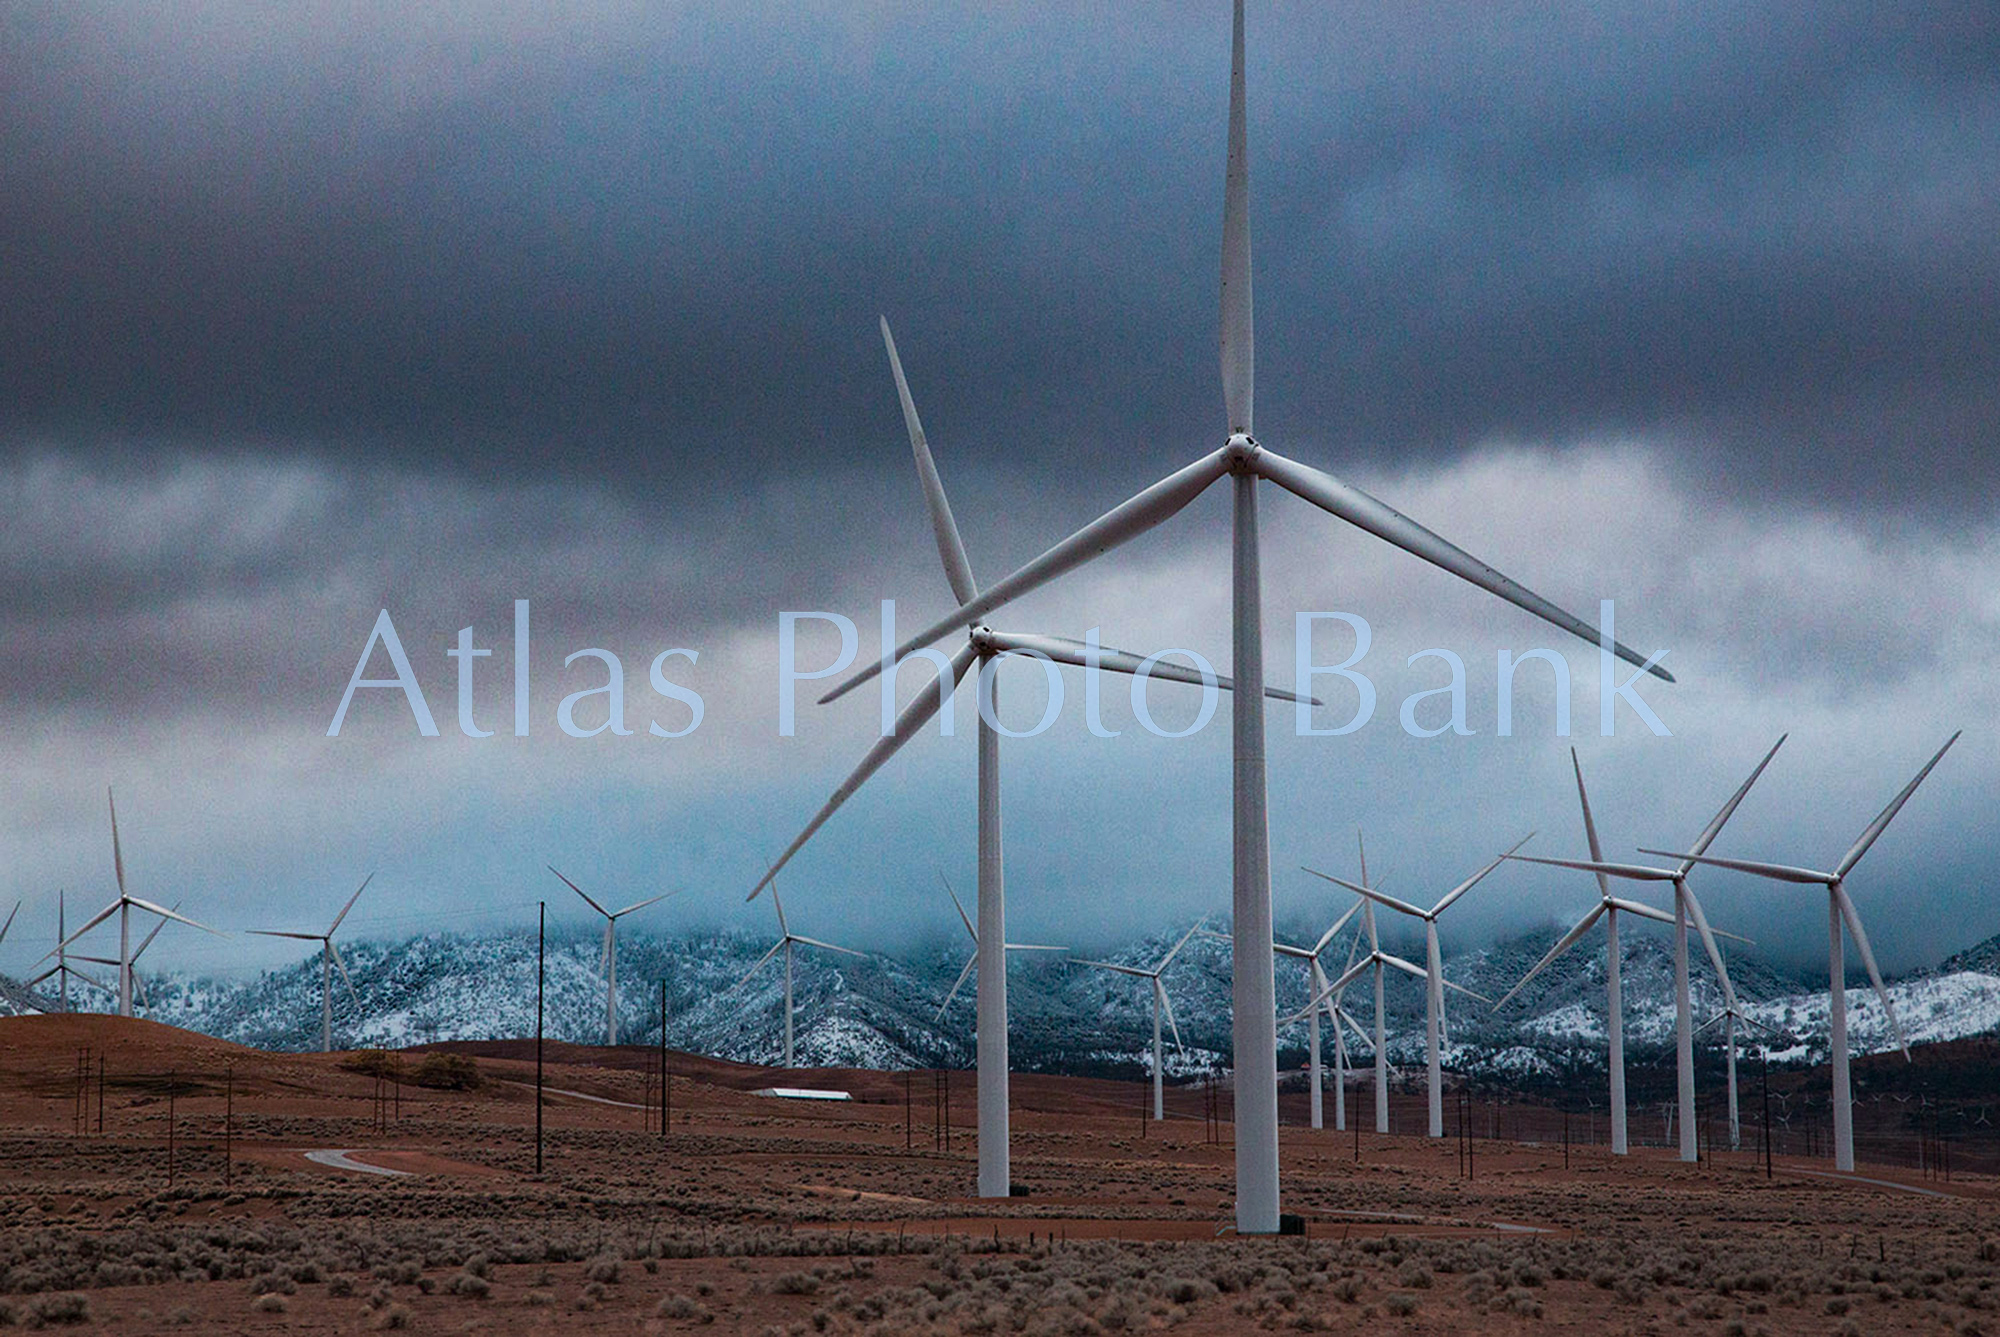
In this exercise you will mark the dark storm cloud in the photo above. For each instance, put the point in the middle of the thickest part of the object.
(638, 243)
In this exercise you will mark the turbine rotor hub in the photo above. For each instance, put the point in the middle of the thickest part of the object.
(1241, 449)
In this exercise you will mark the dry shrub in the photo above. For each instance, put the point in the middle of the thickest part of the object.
(448, 1072)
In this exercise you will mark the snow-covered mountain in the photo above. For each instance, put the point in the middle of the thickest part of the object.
(882, 1012)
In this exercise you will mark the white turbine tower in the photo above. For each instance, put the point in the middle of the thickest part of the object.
(1608, 908)
(122, 907)
(784, 944)
(972, 962)
(329, 957)
(62, 969)
(986, 647)
(1162, 1006)
(610, 961)
(1839, 909)
(1434, 981)
(1242, 459)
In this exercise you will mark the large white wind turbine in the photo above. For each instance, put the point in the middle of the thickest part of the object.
(1245, 461)
(138, 980)
(1161, 1006)
(122, 907)
(1608, 908)
(329, 957)
(1839, 909)
(972, 962)
(984, 647)
(784, 944)
(610, 961)
(1434, 980)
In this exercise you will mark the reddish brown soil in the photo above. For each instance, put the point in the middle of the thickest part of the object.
(840, 1218)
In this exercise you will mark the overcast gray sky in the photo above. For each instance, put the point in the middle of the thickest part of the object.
(308, 313)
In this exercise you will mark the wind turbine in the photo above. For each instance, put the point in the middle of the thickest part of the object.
(1686, 907)
(986, 647)
(784, 944)
(1731, 1013)
(1315, 978)
(1434, 980)
(122, 907)
(1161, 1006)
(1839, 909)
(973, 960)
(62, 968)
(1608, 908)
(1245, 462)
(611, 918)
(138, 983)
(329, 957)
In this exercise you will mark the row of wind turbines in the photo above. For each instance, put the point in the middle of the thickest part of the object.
(1246, 462)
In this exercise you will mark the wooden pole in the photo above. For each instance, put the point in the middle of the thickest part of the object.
(228, 1126)
(170, 1128)
(666, 1105)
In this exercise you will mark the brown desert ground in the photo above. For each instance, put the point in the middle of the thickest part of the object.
(754, 1214)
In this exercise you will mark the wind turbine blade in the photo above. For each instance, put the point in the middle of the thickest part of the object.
(1589, 826)
(1875, 828)
(759, 966)
(1473, 881)
(957, 984)
(1161, 968)
(1712, 1021)
(1113, 965)
(1360, 1033)
(345, 977)
(1860, 935)
(815, 942)
(915, 715)
(1238, 330)
(29, 984)
(1167, 1006)
(147, 941)
(1286, 949)
(1033, 947)
(350, 904)
(640, 905)
(1766, 1027)
(165, 913)
(1380, 898)
(580, 891)
(94, 960)
(1715, 825)
(1636, 872)
(1563, 944)
(1128, 520)
(10, 921)
(117, 853)
(1063, 650)
(1469, 993)
(281, 933)
(1640, 909)
(1356, 507)
(1406, 967)
(1777, 872)
(963, 918)
(778, 904)
(1333, 932)
(95, 982)
(951, 549)
(99, 918)
(1708, 945)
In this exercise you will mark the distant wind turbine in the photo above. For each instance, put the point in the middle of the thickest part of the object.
(973, 961)
(329, 957)
(138, 981)
(611, 918)
(1242, 459)
(1731, 1013)
(985, 647)
(784, 944)
(1434, 981)
(1315, 978)
(123, 907)
(1608, 908)
(1839, 909)
(62, 970)
(1162, 1006)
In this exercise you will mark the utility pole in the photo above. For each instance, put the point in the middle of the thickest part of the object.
(541, 943)
(171, 1084)
(666, 1101)
(228, 1126)
(1767, 1110)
